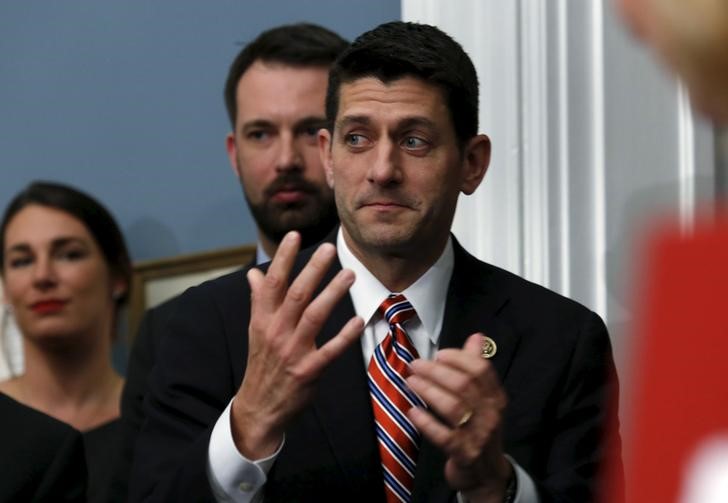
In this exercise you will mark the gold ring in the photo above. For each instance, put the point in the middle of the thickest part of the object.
(466, 417)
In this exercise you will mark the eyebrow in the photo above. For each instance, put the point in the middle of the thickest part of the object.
(305, 122)
(412, 122)
(256, 124)
(348, 120)
(404, 123)
(56, 243)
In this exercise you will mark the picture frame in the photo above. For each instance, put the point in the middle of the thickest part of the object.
(155, 281)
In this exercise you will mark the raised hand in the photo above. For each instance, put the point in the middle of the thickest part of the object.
(283, 360)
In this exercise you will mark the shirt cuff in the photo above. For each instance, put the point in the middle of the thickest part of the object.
(525, 488)
(233, 477)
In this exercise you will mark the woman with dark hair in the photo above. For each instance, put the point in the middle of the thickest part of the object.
(65, 272)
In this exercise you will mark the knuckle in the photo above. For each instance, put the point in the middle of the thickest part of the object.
(471, 453)
(451, 444)
(483, 367)
(297, 294)
(313, 317)
(297, 373)
(461, 386)
(273, 280)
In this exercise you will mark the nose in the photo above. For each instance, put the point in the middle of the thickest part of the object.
(44, 274)
(289, 154)
(385, 169)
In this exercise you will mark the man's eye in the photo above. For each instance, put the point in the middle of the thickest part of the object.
(414, 143)
(354, 140)
(257, 135)
(311, 131)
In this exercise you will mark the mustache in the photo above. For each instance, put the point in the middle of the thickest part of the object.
(290, 181)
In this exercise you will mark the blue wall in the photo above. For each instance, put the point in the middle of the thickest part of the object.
(123, 99)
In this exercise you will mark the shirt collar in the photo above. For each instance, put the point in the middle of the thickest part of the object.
(261, 257)
(427, 295)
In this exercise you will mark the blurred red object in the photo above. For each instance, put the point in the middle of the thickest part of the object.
(679, 380)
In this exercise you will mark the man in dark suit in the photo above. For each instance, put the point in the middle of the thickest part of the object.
(272, 388)
(274, 94)
(42, 458)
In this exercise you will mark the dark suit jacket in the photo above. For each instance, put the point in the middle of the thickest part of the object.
(554, 359)
(141, 360)
(42, 459)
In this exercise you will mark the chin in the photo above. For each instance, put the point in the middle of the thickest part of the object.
(51, 332)
(386, 240)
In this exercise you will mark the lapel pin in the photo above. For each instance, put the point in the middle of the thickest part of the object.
(489, 348)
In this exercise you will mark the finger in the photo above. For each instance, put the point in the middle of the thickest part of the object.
(255, 280)
(462, 445)
(474, 344)
(450, 407)
(299, 293)
(470, 361)
(260, 312)
(467, 359)
(316, 361)
(436, 432)
(448, 376)
(319, 309)
(274, 287)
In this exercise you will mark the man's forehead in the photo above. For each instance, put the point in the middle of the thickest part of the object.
(410, 99)
(405, 92)
(281, 92)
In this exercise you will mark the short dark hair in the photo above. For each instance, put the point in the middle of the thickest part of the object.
(97, 219)
(398, 49)
(298, 45)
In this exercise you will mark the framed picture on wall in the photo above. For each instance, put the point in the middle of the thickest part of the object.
(155, 281)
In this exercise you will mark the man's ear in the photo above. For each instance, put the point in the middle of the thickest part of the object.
(476, 159)
(232, 152)
(324, 143)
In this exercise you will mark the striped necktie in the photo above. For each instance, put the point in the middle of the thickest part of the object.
(398, 439)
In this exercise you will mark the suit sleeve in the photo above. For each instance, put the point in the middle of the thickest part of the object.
(135, 388)
(585, 411)
(189, 387)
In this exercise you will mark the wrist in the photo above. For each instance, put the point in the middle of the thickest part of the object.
(252, 437)
(500, 489)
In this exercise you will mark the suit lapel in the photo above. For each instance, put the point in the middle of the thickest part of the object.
(472, 305)
(343, 407)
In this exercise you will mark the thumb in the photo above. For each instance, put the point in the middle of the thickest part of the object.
(474, 343)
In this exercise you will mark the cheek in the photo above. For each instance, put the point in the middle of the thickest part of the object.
(257, 170)
(89, 280)
(14, 285)
(314, 166)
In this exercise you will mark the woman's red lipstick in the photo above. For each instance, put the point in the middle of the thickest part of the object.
(48, 306)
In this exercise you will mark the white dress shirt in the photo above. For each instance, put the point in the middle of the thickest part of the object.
(234, 478)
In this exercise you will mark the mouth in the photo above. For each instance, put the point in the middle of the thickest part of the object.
(50, 306)
(384, 205)
(287, 195)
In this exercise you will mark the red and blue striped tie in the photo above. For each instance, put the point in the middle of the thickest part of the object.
(399, 440)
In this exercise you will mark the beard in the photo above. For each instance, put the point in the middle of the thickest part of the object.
(314, 216)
